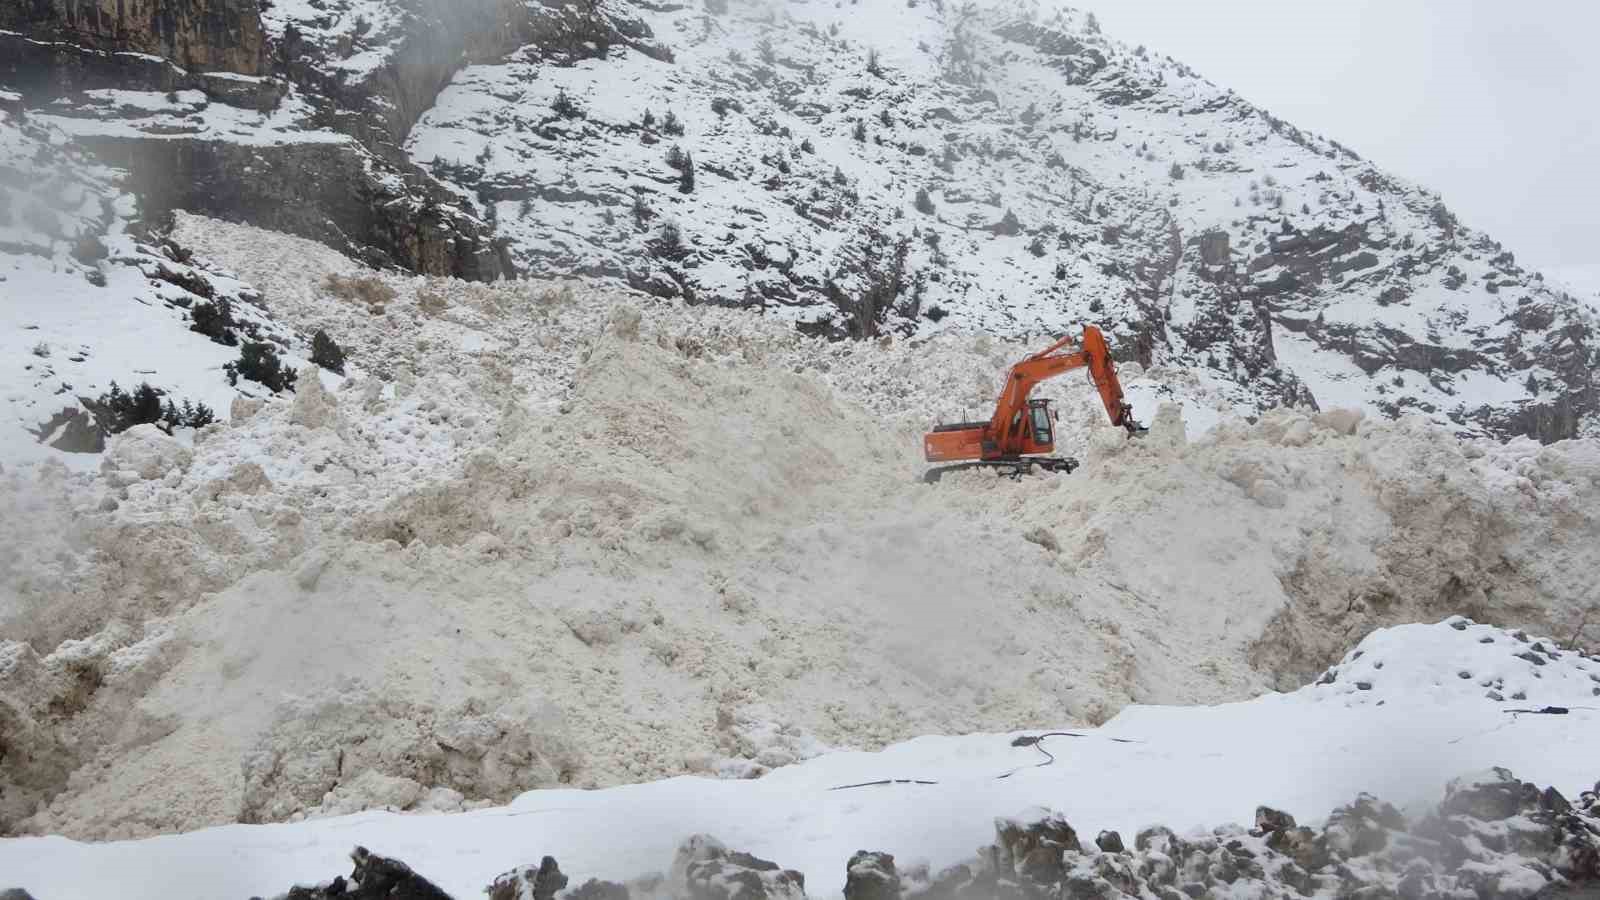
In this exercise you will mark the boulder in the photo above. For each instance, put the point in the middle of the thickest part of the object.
(704, 869)
(540, 882)
(374, 878)
(1489, 796)
(871, 876)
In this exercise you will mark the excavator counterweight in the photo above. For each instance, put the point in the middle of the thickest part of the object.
(1021, 433)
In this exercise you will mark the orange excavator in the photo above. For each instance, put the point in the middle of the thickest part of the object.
(1022, 429)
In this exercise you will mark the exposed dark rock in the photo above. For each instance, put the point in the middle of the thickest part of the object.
(1556, 841)
(1362, 827)
(219, 35)
(540, 882)
(1034, 850)
(595, 889)
(74, 430)
(1269, 820)
(362, 196)
(1214, 248)
(706, 870)
(374, 878)
(1493, 795)
(871, 876)
(334, 192)
(1075, 59)
(46, 72)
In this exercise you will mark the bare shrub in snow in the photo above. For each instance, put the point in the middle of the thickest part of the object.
(432, 302)
(366, 289)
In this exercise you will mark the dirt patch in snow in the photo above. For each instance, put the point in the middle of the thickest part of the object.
(576, 540)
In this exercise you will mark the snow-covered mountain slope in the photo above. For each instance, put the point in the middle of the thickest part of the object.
(91, 299)
(921, 167)
(547, 537)
(876, 167)
(1304, 753)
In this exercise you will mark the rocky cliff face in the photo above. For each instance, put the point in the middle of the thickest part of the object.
(284, 141)
(900, 169)
(200, 35)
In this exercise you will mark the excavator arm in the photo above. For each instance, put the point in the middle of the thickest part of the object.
(1021, 428)
(1092, 353)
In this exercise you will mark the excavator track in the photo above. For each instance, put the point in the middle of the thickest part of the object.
(1011, 468)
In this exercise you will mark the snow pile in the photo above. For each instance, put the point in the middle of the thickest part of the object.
(930, 801)
(545, 536)
(1464, 662)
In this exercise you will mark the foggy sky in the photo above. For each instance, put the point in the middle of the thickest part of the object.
(1491, 103)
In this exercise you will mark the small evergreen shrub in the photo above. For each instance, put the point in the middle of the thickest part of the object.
(215, 321)
(327, 353)
(258, 361)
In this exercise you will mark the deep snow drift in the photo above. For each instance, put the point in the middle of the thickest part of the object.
(556, 538)
(1304, 752)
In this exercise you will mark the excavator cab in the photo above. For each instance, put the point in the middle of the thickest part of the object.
(1042, 418)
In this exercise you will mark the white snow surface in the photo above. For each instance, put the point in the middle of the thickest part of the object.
(1188, 768)
(63, 337)
(546, 536)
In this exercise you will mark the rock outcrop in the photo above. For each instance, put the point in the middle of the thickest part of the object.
(374, 878)
(200, 35)
(1492, 837)
(329, 169)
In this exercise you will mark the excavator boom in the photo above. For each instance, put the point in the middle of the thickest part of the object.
(1021, 431)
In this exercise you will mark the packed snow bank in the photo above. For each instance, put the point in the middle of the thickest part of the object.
(558, 538)
(1305, 753)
